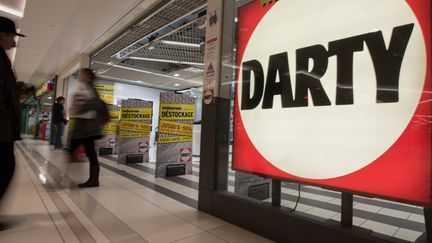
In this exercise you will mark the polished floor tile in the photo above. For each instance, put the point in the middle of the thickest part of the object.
(201, 238)
(47, 234)
(131, 205)
(232, 233)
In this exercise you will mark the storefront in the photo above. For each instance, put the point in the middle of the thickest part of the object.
(37, 112)
(326, 94)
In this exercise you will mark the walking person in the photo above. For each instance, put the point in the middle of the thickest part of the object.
(59, 120)
(9, 107)
(87, 127)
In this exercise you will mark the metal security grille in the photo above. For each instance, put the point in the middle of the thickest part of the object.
(189, 34)
(170, 12)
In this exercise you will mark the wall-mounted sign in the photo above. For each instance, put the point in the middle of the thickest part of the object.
(337, 94)
(45, 88)
(212, 52)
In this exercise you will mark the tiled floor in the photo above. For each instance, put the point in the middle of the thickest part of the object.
(133, 206)
(44, 206)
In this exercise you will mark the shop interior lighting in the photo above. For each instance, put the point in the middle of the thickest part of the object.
(190, 17)
(176, 85)
(176, 74)
(176, 43)
(157, 74)
(169, 61)
(11, 11)
(49, 97)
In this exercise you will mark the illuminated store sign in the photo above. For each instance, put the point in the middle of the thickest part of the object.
(336, 94)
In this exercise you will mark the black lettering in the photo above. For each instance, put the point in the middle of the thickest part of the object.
(306, 80)
(344, 50)
(387, 62)
(248, 102)
(278, 63)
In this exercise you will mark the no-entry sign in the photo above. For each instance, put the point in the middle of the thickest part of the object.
(336, 94)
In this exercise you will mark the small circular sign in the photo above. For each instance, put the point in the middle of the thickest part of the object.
(185, 155)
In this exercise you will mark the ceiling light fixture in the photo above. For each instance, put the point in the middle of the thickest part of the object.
(157, 74)
(176, 43)
(168, 61)
(176, 85)
(176, 74)
(11, 11)
(134, 82)
(50, 97)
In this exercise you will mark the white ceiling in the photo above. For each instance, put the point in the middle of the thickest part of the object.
(58, 31)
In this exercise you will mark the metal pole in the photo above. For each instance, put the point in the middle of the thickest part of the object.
(276, 193)
(428, 223)
(347, 210)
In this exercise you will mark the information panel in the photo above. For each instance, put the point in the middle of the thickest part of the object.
(174, 151)
(134, 131)
(336, 94)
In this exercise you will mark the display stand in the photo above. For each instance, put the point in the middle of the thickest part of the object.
(134, 131)
(174, 151)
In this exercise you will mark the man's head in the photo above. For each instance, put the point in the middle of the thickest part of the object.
(8, 33)
(60, 100)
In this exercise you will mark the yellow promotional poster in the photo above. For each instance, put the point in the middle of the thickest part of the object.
(134, 129)
(133, 135)
(106, 92)
(175, 128)
(114, 115)
(134, 114)
(110, 128)
(175, 139)
(176, 112)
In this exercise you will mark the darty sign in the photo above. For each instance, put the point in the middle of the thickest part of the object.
(336, 94)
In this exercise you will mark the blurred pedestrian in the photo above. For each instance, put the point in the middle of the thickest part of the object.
(87, 127)
(59, 120)
(10, 111)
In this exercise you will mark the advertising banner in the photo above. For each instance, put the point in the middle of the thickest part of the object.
(134, 130)
(175, 130)
(336, 94)
(212, 52)
(105, 91)
(110, 133)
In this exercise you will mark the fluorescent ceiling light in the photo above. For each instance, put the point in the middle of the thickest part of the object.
(50, 97)
(176, 43)
(176, 74)
(176, 85)
(11, 11)
(157, 74)
(168, 61)
(148, 85)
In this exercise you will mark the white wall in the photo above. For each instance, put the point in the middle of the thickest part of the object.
(125, 91)
(128, 91)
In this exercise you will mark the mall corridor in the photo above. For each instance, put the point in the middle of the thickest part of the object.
(129, 206)
(200, 121)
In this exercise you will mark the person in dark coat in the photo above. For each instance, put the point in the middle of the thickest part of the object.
(59, 120)
(87, 127)
(9, 107)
